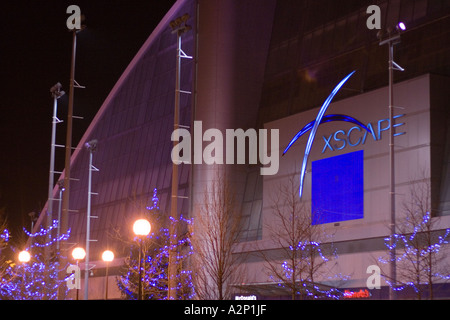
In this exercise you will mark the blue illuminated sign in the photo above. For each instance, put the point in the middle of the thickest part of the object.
(337, 188)
(342, 137)
(313, 127)
(355, 137)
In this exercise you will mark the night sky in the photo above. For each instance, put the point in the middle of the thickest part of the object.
(35, 53)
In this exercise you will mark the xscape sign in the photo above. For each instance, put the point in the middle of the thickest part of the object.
(339, 139)
(356, 135)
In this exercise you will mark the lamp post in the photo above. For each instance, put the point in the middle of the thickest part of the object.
(141, 228)
(78, 254)
(107, 256)
(391, 41)
(24, 257)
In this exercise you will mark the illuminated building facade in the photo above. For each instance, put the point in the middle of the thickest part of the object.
(272, 64)
(346, 185)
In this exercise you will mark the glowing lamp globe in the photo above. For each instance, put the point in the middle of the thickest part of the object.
(78, 253)
(108, 256)
(24, 256)
(141, 227)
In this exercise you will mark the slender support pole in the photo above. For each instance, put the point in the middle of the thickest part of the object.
(393, 266)
(92, 147)
(88, 231)
(56, 94)
(78, 289)
(179, 27)
(174, 213)
(68, 154)
(52, 163)
(61, 190)
(106, 285)
(140, 270)
(391, 41)
(64, 223)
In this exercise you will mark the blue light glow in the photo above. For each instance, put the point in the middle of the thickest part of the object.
(157, 246)
(5, 235)
(315, 125)
(325, 119)
(338, 188)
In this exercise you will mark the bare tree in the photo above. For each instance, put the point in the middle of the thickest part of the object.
(302, 259)
(418, 244)
(216, 233)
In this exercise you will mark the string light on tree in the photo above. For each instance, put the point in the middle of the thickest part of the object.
(156, 252)
(418, 252)
(33, 279)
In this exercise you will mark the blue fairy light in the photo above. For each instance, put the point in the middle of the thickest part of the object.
(155, 269)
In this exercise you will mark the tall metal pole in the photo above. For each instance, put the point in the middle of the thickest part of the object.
(52, 164)
(393, 266)
(64, 222)
(391, 41)
(65, 201)
(106, 282)
(140, 271)
(179, 27)
(88, 232)
(78, 290)
(56, 94)
(61, 190)
(92, 147)
(174, 212)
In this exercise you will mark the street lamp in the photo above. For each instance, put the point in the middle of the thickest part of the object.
(24, 256)
(107, 256)
(78, 254)
(141, 228)
(392, 38)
